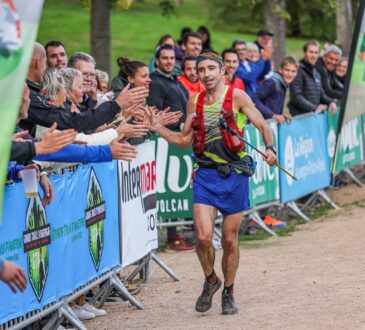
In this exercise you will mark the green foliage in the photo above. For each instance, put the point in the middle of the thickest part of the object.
(305, 18)
(136, 31)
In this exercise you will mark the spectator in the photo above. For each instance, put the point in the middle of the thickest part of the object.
(341, 70)
(269, 98)
(56, 54)
(264, 38)
(326, 66)
(102, 87)
(102, 81)
(68, 83)
(205, 36)
(231, 62)
(192, 44)
(189, 78)
(165, 90)
(306, 92)
(167, 39)
(183, 31)
(240, 47)
(252, 70)
(42, 113)
(86, 64)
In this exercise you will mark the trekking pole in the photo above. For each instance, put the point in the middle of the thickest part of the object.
(223, 124)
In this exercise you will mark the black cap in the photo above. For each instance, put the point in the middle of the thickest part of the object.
(265, 32)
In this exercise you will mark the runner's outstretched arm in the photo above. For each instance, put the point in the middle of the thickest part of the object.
(181, 139)
(243, 102)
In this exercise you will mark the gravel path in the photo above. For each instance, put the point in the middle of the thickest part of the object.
(314, 279)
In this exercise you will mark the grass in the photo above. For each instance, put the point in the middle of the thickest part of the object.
(134, 32)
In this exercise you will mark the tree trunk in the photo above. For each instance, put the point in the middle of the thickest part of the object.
(100, 33)
(274, 13)
(344, 24)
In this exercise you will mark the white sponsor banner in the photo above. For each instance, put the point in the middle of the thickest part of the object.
(138, 211)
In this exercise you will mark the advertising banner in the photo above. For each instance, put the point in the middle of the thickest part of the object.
(303, 152)
(62, 246)
(138, 209)
(264, 184)
(174, 192)
(18, 28)
(350, 149)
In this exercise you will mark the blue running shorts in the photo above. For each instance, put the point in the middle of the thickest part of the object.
(229, 195)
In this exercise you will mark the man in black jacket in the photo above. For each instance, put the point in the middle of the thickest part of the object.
(165, 90)
(306, 92)
(326, 66)
(44, 114)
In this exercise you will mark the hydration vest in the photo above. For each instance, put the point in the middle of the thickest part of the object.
(232, 142)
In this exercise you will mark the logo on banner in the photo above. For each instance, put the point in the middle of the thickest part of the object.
(138, 182)
(289, 159)
(10, 38)
(331, 142)
(94, 216)
(35, 240)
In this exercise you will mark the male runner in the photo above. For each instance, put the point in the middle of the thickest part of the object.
(221, 181)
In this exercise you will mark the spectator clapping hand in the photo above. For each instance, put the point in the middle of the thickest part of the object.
(54, 141)
(122, 150)
(131, 96)
(13, 276)
(131, 130)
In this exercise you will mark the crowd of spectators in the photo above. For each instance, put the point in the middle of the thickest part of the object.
(73, 113)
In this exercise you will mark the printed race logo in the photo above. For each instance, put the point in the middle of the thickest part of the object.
(289, 159)
(10, 38)
(138, 182)
(94, 216)
(35, 239)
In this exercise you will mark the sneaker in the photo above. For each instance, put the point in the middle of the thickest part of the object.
(60, 327)
(273, 223)
(82, 314)
(204, 302)
(90, 308)
(114, 297)
(228, 305)
(179, 244)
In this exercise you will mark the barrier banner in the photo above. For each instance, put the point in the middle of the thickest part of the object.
(138, 210)
(18, 29)
(62, 246)
(264, 184)
(174, 192)
(350, 149)
(303, 152)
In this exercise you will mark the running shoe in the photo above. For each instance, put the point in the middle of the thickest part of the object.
(228, 305)
(204, 302)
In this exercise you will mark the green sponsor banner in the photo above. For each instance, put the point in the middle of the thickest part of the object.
(350, 151)
(264, 184)
(174, 168)
(18, 28)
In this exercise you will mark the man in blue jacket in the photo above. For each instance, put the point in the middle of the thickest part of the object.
(269, 98)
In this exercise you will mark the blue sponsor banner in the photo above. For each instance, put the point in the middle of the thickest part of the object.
(64, 245)
(303, 152)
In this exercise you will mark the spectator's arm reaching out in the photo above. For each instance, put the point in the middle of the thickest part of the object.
(12, 275)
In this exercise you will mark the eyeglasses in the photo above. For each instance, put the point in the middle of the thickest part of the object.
(89, 74)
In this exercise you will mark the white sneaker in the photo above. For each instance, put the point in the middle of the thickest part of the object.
(90, 308)
(82, 314)
(60, 327)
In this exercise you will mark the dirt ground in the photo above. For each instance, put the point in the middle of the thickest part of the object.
(314, 279)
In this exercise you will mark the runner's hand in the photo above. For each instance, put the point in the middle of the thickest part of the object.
(270, 158)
